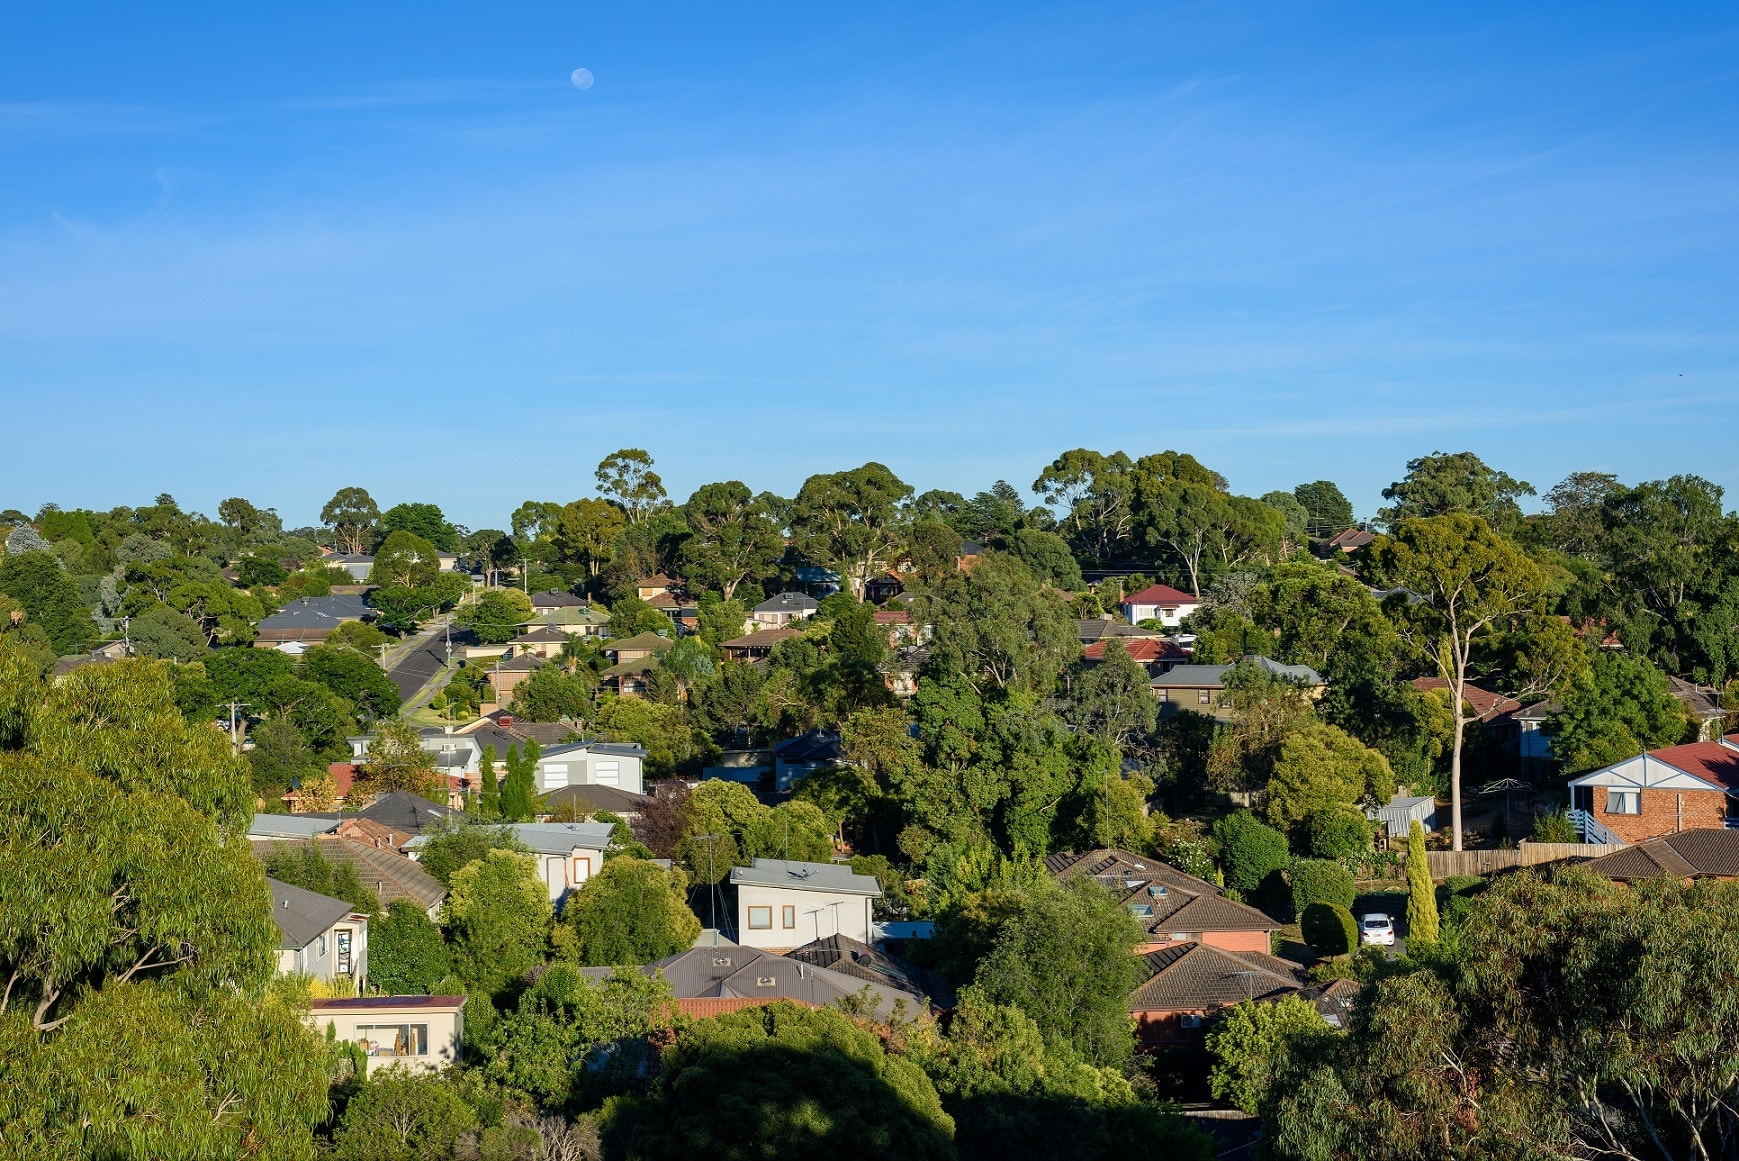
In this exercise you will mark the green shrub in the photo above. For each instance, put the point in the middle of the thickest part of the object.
(1458, 893)
(1339, 834)
(1329, 929)
(1321, 881)
(1250, 850)
(1555, 827)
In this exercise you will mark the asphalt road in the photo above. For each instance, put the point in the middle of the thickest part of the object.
(415, 666)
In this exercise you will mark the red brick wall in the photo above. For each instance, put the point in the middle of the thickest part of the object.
(1226, 940)
(1153, 1028)
(1660, 813)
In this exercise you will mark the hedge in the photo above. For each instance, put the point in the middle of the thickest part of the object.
(1329, 929)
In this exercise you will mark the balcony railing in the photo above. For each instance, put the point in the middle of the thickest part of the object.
(1592, 830)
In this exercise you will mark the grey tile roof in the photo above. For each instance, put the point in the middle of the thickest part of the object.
(847, 956)
(788, 603)
(1162, 897)
(591, 799)
(555, 599)
(402, 810)
(318, 612)
(302, 915)
(806, 877)
(1214, 676)
(734, 972)
(813, 746)
(1697, 853)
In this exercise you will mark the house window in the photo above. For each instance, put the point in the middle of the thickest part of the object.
(788, 916)
(393, 1039)
(760, 919)
(1162, 697)
(1623, 802)
(320, 947)
(582, 869)
(1183, 936)
(607, 773)
(555, 776)
(1203, 697)
(344, 953)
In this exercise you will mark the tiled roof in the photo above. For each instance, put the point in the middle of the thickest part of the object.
(555, 599)
(1178, 911)
(765, 639)
(843, 954)
(892, 617)
(590, 799)
(1487, 706)
(1098, 628)
(1196, 977)
(1143, 650)
(787, 603)
(1689, 854)
(1177, 902)
(1163, 595)
(747, 973)
(1699, 701)
(651, 641)
(1711, 761)
(388, 874)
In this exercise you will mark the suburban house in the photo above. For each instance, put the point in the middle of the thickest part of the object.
(1147, 652)
(389, 874)
(682, 610)
(882, 589)
(1494, 711)
(1160, 603)
(778, 611)
(971, 552)
(897, 624)
(319, 936)
(1703, 853)
(1658, 793)
(637, 647)
(421, 1033)
(1099, 628)
(304, 623)
(1187, 983)
(580, 621)
(544, 640)
(1533, 744)
(806, 753)
(1351, 540)
(656, 585)
(551, 600)
(847, 956)
(783, 904)
(1172, 907)
(1197, 688)
(567, 853)
(505, 675)
(756, 646)
(1702, 706)
(618, 765)
(575, 802)
(709, 981)
(104, 654)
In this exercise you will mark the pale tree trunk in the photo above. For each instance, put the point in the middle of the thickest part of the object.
(1455, 764)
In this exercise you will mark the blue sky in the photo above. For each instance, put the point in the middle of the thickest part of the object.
(275, 250)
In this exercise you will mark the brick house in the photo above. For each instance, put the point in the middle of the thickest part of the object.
(1660, 792)
(1174, 908)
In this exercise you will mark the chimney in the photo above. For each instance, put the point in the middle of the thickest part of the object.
(506, 720)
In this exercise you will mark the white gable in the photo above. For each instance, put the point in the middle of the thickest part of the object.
(1643, 772)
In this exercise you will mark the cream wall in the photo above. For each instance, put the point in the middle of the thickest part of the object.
(853, 912)
(421, 1038)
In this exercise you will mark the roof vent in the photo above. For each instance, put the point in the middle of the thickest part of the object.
(286, 903)
(721, 961)
(764, 981)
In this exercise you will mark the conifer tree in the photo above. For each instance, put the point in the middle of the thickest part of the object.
(515, 806)
(1421, 895)
(489, 803)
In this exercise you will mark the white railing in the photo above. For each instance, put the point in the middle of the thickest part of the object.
(1592, 830)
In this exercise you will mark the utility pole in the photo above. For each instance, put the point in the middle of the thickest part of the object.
(712, 885)
(235, 742)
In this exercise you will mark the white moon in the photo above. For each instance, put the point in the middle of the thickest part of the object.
(582, 78)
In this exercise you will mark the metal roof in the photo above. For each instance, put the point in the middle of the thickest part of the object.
(798, 876)
(559, 838)
(290, 826)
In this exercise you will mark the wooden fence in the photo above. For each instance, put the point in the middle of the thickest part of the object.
(1526, 854)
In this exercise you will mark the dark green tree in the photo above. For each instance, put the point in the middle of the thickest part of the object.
(49, 597)
(630, 912)
(406, 953)
(352, 515)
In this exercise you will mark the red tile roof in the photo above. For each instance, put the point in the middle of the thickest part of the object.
(1486, 704)
(1712, 761)
(1160, 595)
(892, 617)
(1144, 650)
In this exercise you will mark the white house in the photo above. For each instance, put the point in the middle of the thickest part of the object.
(617, 764)
(783, 904)
(1160, 603)
(420, 1033)
(319, 936)
(780, 610)
(567, 853)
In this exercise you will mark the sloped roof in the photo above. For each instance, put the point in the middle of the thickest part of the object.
(1143, 650)
(815, 745)
(301, 915)
(765, 639)
(847, 956)
(541, 635)
(1178, 902)
(560, 838)
(1197, 977)
(291, 826)
(1710, 761)
(590, 798)
(1214, 676)
(556, 599)
(1697, 853)
(788, 603)
(402, 810)
(1163, 595)
(1181, 911)
(650, 641)
(1699, 701)
(388, 874)
(733, 972)
(1487, 706)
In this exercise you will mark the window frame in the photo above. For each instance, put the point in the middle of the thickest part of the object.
(1617, 802)
(766, 924)
(788, 916)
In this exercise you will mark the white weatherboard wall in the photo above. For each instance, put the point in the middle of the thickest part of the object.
(812, 914)
(584, 767)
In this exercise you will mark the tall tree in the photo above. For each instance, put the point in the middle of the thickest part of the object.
(851, 521)
(626, 476)
(498, 913)
(1443, 483)
(1095, 492)
(630, 912)
(584, 532)
(1421, 894)
(352, 515)
(397, 761)
(1469, 580)
(1328, 508)
(49, 597)
(733, 535)
(406, 560)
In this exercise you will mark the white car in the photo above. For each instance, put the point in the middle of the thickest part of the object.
(1376, 929)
